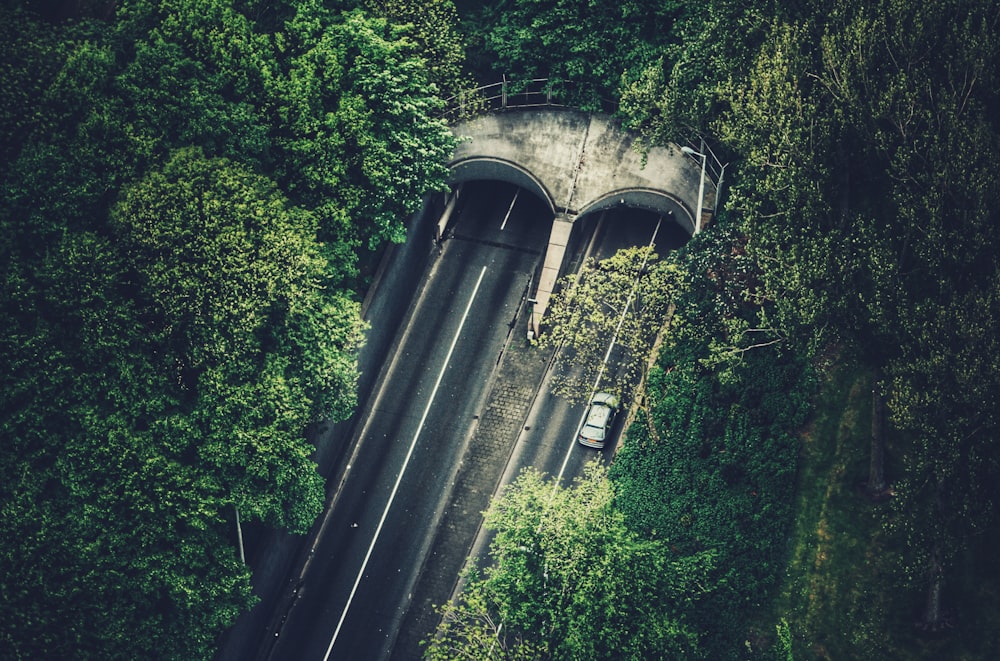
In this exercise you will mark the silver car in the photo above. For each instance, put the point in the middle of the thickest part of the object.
(600, 417)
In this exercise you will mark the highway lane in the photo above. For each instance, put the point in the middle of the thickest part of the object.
(364, 564)
(548, 440)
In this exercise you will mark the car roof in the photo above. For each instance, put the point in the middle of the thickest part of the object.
(598, 416)
(605, 398)
(599, 413)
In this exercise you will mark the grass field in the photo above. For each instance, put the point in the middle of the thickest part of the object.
(842, 595)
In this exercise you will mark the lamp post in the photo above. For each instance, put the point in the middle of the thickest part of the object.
(718, 191)
(239, 534)
(701, 187)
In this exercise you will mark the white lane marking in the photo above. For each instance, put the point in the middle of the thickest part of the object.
(607, 356)
(399, 478)
(509, 209)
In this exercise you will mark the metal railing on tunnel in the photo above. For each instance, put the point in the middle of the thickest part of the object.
(548, 93)
(531, 93)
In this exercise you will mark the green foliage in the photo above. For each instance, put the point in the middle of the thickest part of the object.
(626, 298)
(682, 91)
(339, 108)
(362, 145)
(902, 232)
(783, 649)
(397, 150)
(586, 47)
(434, 27)
(194, 77)
(709, 466)
(232, 277)
(118, 536)
(33, 54)
(808, 255)
(944, 396)
(185, 187)
(867, 215)
(701, 482)
(570, 581)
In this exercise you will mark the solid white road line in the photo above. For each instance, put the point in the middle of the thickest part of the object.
(399, 478)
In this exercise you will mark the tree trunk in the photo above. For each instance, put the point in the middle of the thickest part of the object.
(877, 486)
(932, 619)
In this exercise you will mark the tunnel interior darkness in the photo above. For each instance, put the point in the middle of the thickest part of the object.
(495, 169)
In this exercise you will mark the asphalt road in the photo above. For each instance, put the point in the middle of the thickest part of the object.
(367, 558)
(399, 475)
(548, 439)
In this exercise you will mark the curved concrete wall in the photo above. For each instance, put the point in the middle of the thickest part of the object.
(497, 169)
(578, 162)
(648, 199)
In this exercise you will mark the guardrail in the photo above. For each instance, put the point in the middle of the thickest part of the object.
(499, 96)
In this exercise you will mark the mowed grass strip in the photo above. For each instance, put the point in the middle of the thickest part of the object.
(843, 593)
(836, 540)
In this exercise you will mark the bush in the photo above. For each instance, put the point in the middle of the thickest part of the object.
(710, 466)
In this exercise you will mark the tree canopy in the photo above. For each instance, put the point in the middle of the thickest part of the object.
(625, 297)
(569, 580)
(587, 50)
(188, 189)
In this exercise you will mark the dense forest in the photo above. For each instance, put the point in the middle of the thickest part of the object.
(191, 193)
(855, 251)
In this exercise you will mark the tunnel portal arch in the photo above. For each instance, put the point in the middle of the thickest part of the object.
(578, 163)
(655, 201)
(497, 169)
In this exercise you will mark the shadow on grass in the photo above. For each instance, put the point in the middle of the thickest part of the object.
(843, 594)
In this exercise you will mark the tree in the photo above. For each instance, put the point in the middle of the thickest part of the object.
(232, 279)
(337, 108)
(677, 94)
(568, 580)
(194, 75)
(934, 145)
(943, 395)
(117, 535)
(584, 49)
(863, 196)
(877, 486)
(708, 463)
(433, 26)
(624, 299)
(364, 145)
(33, 55)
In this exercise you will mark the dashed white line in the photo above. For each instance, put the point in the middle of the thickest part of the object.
(509, 209)
(607, 356)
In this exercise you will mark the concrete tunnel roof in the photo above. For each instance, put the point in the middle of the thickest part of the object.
(576, 162)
